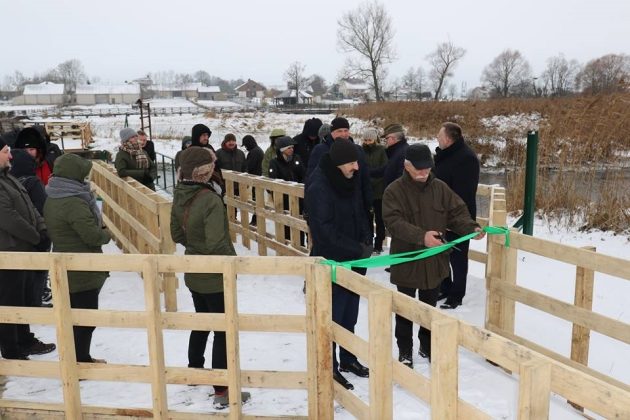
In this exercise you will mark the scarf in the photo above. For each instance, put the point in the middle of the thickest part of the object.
(342, 185)
(65, 187)
(133, 148)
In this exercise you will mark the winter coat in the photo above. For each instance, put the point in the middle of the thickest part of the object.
(395, 163)
(231, 159)
(458, 166)
(338, 222)
(270, 153)
(21, 226)
(23, 168)
(126, 166)
(72, 224)
(303, 144)
(364, 175)
(292, 170)
(205, 232)
(412, 208)
(254, 158)
(376, 157)
(149, 147)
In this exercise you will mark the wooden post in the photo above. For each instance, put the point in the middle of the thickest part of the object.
(493, 276)
(155, 337)
(243, 197)
(294, 210)
(232, 339)
(534, 390)
(278, 204)
(65, 338)
(507, 308)
(167, 246)
(231, 210)
(261, 221)
(380, 354)
(580, 337)
(444, 369)
(319, 342)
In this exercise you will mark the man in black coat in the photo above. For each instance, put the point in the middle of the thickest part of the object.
(458, 166)
(339, 229)
(306, 141)
(254, 155)
(396, 147)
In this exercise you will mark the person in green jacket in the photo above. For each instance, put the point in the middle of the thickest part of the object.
(134, 162)
(75, 225)
(199, 222)
(270, 153)
(375, 157)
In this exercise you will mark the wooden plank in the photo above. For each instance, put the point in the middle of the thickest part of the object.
(324, 336)
(380, 354)
(261, 222)
(294, 211)
(279, 225)
(155, 338)
(444, 369)
(232, 339)
(478, 256)
(247, 322)
(353, 404)
(65, 338)
(507, 307)
(311, 340)
(244, 191)
(280, 266)
(580, 316)
(353, 343)
(534, 389)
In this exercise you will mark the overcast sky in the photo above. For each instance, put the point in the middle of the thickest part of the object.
(123, 40)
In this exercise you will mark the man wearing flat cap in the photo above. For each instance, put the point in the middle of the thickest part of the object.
(418, 209)
(396, 146)
(339, 230)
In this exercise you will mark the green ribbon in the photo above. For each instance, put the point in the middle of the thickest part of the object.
(404, 257)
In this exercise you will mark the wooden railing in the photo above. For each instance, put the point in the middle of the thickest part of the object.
(138, 219)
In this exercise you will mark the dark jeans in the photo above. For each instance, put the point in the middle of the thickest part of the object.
(88, 299)
(13, 337)
(208, 303)
(376, 217)
(35, 284)
(455, 288)
(404, 327)
(345, 311)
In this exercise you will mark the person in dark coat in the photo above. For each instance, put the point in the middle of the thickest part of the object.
(253, 161)
(396, 146)
(418, 209)
(22, 229)
(147, 145)
(458, 166)
(307, 139)
(339, 230)
(375, 157)
(134, 162)
(23, 168)
(199, 222)
(186, 143)
(32, 141)
(52, 150)
(229, 156)
(270, 152)
(200, 136)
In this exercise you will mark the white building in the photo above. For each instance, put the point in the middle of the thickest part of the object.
(107, 94)
(45, 93)
(212, 93)
(353, 88)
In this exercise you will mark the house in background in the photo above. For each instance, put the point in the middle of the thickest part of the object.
(211, 93)
(188, 90)
(45, 93)
(354, 88)
(8, 92)
(107, 94)
(250, 89)
(290, 97)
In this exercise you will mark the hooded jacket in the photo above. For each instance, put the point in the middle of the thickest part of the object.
(255, 155)
(412, 208)
(303, 143)
(293, 170)
(72, 226)
(196, 132)
(204, 232)
(23, 168)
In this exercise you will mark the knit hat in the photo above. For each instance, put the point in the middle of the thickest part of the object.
(228, 137)
(29, 137)
(370, 134)
(277, 132)
(339, 122)
(2, 143)
(323, 131)
(284, 143)
(420, 156)
(186, 142)
(126, 134)
(342, 152)
(391, 129)
(192, 158)
(311, 126)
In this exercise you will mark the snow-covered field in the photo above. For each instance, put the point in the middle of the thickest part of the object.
(484, 386)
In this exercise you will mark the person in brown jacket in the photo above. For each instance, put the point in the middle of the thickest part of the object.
(418, 209)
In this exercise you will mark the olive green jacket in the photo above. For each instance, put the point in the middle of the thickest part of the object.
(126, 166)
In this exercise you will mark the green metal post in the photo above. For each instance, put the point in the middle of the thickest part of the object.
(530, 182)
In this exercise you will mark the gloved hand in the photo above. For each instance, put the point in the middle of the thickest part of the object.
(44, 242)
(366, 250)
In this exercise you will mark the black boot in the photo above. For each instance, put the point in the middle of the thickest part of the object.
(343, 381)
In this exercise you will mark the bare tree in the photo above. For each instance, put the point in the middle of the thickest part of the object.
(559, 75)
(71, 73)
(318, 83)
(202, 76)
(413, 82)
(368, 31)
(443, 61)
(606, 74)
(294, 76)
(509, 73)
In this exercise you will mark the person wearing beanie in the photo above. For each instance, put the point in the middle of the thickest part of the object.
(339, 230)
(229, 156)
(134, 162)
(457, 165)
(418, 209)
(52, 150)
(75, 224)
(307, 139)
(22, 229)
(375, 157)
(31, 140)
(270, 153)
(186, 143)
(323, 131)
(199, 222)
